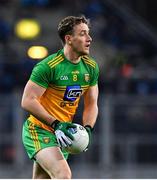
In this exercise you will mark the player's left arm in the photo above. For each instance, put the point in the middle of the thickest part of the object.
(90, 111)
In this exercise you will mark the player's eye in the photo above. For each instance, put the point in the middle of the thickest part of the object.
(82, 33)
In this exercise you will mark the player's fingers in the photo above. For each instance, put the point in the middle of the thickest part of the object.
(69, 135)
(68, 141)
(65, 141)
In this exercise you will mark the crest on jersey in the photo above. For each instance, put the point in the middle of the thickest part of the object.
(86, 77)
(46, 140)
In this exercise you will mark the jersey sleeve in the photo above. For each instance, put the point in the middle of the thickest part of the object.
(41, 75)
(95, 76)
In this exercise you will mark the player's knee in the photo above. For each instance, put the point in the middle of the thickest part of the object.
(63, 174)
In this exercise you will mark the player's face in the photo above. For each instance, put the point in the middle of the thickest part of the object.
(81, 40)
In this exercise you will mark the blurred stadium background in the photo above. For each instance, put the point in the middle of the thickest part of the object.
(125, 41)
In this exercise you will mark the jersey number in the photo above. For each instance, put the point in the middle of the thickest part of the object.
(75, 77)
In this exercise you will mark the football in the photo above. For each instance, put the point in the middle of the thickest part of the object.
(81, 140)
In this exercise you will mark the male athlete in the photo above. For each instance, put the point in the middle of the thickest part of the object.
(52, 95)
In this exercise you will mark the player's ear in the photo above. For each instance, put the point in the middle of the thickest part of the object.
(68, 39)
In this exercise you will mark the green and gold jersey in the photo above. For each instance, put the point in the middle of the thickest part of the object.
(65, 82)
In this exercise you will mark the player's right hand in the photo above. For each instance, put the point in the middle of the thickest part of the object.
(64, 137)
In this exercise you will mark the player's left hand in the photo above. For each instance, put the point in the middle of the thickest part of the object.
(89, 130)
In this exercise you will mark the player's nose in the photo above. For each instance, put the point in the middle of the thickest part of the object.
(89, 38)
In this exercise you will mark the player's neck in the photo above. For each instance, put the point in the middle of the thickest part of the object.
(71, 55)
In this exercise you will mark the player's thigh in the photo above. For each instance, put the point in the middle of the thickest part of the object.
(39, 172)
(52, 161)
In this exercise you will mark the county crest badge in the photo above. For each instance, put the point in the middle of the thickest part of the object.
(46, 140)
(86, 77)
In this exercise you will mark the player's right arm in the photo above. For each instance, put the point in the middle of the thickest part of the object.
(41, 77)
(30, 102)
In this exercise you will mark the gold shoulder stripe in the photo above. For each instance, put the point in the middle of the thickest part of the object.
(85, 57)
(91, 62)
(58, 61)
(34, 137)
(88, 58)
(87, 62)
(54, 59)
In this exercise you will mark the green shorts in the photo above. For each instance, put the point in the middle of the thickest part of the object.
(36, 138)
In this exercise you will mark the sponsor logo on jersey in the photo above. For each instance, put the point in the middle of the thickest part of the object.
(72, 93)
(64, 78)
(86, 77)
(65, 103)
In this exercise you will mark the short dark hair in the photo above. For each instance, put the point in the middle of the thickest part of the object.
(67, 24)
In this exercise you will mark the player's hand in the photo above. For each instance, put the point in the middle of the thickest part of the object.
(64, 137)
(89, 130)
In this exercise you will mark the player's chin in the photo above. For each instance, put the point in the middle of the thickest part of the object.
(85, 52)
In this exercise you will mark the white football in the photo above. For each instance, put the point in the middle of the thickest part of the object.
(81, 140)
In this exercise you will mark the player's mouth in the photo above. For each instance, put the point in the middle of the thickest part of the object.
(87, 46)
